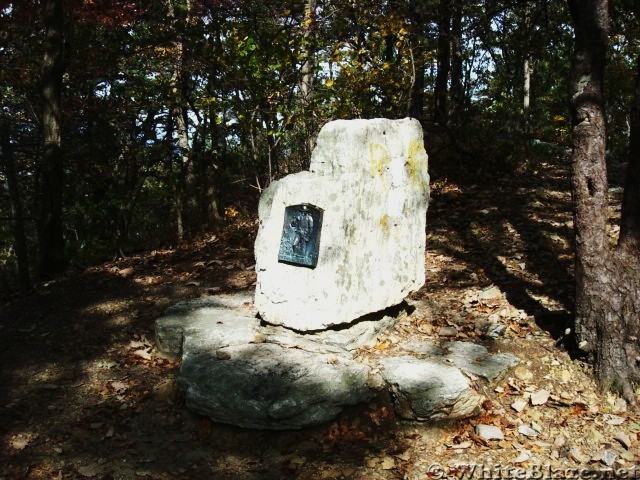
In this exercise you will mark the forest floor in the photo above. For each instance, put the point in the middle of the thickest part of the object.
(84, 394)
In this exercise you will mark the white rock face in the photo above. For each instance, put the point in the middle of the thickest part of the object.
(370, 179)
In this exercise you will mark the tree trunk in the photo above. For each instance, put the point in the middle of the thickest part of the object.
(186, 195)
(416, 94)
(51, 174)
(457, 75)
(526, 106)
(607, 305)
(630, 224)
(19, 237)
(308, 71)
(440, 111)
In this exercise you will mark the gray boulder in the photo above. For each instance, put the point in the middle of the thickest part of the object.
(267, 386)
(470, 357)
(477, 360)
(206, 323)
(429, 390)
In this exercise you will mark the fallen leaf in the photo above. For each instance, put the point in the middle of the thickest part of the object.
(388, 463)
(21, 441)
(125, 272)
(519, 405)
(462, 446)
(576, 454)
(479, 440)
(623, 439)
(523, 456)
(527, 431)
(118, 387)
(143, 353)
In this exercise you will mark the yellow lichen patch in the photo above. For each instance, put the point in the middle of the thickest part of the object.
(384, 223)
(378, 158)
(416, 164)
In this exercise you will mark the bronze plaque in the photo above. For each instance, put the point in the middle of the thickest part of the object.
(300, 240)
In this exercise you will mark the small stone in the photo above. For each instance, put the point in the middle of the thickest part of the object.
(576, 454)
(527, 431)
(489, 432)
(620, 405)
(565, 376)
(623, 439)
(519, 405)
(613, 419)
(609, 457)
(495, 330)
(492, 293)
(448, 332)
(427, 389)
(540, 397)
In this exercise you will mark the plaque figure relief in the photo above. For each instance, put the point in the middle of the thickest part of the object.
(300, 240)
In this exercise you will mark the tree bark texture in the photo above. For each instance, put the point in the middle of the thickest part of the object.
(20, 240)
(526, 106)
(457, 73)
(51, 174)
(607, 304)
(630, 225)
(440, 111)
(307, 71)
(186, 196)
(416, 96)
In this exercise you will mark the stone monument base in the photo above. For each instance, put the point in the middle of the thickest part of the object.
(241, 371)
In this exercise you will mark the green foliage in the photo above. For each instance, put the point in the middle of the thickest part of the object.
(235, 71)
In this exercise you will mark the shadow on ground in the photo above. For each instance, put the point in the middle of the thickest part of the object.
(84, 396)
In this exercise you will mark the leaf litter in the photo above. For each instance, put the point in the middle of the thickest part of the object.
(87, 395)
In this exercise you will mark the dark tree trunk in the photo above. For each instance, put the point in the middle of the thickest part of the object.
(630, 225)
(457, 75)
(50, 235)
(20, 240)
(440, 112)
(186, 194)
(607, 307)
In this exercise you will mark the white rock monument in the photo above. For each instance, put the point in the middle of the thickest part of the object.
(346, 238)
(338, 242)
